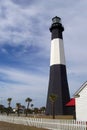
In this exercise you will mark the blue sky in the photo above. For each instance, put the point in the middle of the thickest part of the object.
(25, 47)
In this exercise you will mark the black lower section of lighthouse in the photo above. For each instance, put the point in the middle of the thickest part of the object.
(58, 84)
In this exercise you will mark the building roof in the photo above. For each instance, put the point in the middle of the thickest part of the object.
(71, 102)
(80, 89)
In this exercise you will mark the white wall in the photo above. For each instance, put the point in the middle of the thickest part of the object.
(81, 105)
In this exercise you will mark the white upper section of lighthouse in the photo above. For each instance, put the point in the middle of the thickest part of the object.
(57, 52)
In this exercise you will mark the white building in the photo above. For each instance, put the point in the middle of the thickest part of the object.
(81, 102)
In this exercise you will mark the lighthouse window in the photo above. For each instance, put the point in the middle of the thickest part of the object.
(56, 20)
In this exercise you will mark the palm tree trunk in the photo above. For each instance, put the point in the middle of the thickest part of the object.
(18, 111)
(53, 110)
(26, 112)
(27, 109)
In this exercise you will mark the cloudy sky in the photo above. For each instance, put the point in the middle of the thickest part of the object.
(25, 47)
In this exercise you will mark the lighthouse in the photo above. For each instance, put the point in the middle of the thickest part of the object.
(58, 84)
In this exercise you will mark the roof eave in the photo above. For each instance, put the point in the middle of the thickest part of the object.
(79, 90)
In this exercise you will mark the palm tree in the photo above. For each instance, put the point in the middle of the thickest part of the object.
(9, 105)
(32, 105)
(9, 101)
(28, 100)
(18, 105)
(42, 109)
(53, 98)
(36, 110)
(32, 108)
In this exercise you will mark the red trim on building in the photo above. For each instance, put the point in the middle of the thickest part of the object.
(71, 102)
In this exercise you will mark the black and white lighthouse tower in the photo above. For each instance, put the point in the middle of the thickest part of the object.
(58, 84)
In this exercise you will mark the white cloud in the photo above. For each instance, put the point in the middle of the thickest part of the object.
(21, 76)
(24, 26)
(20, 85)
